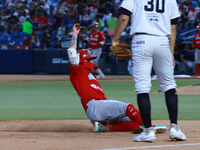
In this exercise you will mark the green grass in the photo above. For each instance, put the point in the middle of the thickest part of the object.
(58, 100)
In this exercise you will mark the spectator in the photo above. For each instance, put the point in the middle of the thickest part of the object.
(108, 42)
(2, 47)
(112, 22)
(27, 26)
(182, 19)
(27, 41)
(46, 7)
(187, 57)
(101, 10)
(41, 10)
(4, 17)
(36, 19)
(35, 43)
(73, 13)
(84, 19)
(107, 16)
(61, 31)
(191, 20)
(177, 58)
(93, 11)
(58, 15)
(12, 20)
(198, 17)
(45, 41)
(22, 17)
(44, 22)
(10, 46)
(116, 13)
(198, 7)
(10, 3)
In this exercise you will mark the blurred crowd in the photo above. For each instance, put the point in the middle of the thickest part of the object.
(43, 24)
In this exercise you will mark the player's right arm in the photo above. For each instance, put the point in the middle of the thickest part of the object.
(72, 53)
(121, 25)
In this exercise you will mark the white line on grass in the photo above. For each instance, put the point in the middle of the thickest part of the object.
(145, 147)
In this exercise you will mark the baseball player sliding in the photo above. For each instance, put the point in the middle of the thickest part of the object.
(153, 27)
(105, 115)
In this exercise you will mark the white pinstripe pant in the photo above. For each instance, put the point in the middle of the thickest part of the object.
(148, 51)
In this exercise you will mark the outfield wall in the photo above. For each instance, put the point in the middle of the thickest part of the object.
(52, 61)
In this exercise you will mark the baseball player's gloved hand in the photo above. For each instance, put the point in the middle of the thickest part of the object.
(121, 51)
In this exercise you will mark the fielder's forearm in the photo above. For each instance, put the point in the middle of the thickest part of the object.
(121, 25)
(172, 38)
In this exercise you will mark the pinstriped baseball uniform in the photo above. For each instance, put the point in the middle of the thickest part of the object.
(151, 27)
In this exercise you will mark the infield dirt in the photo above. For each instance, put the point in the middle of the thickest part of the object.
(76, 135)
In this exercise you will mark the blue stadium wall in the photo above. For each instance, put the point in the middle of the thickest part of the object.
(53, 61)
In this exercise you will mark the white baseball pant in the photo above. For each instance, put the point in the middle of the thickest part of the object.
(148, 51)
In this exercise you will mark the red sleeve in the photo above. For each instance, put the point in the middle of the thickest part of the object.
(73, 69)
(194, 40)
(101, 37)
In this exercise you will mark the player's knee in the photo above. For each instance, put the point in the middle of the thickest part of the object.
(165, 88)
(143, 90)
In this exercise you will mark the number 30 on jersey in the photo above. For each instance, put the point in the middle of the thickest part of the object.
(159, 6)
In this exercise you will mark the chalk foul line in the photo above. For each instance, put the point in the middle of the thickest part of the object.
(145, 147)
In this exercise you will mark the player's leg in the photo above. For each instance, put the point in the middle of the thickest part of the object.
(97, 52)
(111, 112)
(124, 126)
(142, 65)
(163, 66)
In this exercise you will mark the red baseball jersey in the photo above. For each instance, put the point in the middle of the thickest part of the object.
(86, 85)
(196, 41)
(95, 38)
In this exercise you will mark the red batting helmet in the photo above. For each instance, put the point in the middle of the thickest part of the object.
(85, 55)
(95, 24)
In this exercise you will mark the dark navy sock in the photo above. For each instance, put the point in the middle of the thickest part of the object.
(171, 99)
(145, 108)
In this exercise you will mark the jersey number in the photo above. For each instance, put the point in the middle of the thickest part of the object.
(150, 6)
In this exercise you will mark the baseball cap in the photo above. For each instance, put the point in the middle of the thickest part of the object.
(95, 24)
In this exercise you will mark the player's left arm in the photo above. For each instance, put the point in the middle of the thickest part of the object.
(172, 38)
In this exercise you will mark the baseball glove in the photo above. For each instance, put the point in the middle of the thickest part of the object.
(121, 51)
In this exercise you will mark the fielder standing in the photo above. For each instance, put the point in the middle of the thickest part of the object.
(96, 40)
(154, 33)
(196, 44)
